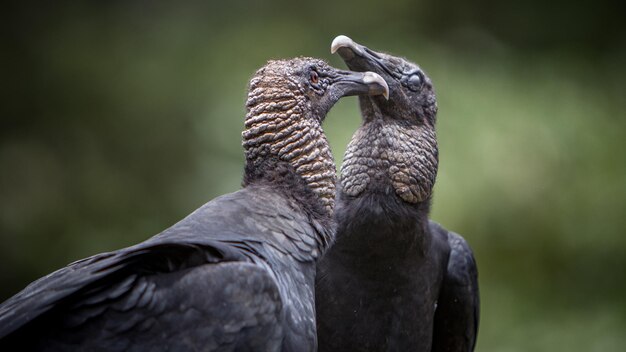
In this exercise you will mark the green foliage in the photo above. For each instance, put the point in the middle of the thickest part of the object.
(120, 118)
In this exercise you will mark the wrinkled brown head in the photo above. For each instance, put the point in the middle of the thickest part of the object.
(287, 102)
(397, 141)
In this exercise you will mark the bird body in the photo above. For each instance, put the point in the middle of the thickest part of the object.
(220, 278)
(372, 290)
(393, 280)
(238, 273)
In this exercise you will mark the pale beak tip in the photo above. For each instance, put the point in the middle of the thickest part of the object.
(341, 41)
(372, 77)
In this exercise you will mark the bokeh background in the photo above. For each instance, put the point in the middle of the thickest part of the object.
(118, 118)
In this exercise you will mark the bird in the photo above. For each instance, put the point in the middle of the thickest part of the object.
(237, 274)
(394, 280)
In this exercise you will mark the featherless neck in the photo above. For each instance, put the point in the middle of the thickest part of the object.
(279, 127)
(391, 153)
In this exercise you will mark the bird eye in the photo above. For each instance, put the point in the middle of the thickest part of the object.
(314, 77)
(415, 82)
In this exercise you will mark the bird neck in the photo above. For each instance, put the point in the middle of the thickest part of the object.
(278, 132)
(391, 153)
(388, 229)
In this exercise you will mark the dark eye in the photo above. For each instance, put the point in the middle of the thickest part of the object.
(414, 82)
(314, 77)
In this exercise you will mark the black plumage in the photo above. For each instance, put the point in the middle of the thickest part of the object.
(236, 274)
(393, 280)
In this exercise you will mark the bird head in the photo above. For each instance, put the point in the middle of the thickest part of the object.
(287, 102)
(412, 94)
(313, 82)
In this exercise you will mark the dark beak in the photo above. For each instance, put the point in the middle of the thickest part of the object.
(346, 83)
(357, 56)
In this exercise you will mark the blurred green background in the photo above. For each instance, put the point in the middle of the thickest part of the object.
(118, 118)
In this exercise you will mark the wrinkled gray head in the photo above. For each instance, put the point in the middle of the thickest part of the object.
(397, 140)
(287, 102)
(412, 94)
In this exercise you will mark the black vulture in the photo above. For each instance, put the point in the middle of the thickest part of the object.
(237, 274)
(393, 280)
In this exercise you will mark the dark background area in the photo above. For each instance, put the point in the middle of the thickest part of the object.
(119, 118)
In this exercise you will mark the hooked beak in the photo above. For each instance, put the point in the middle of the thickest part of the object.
(349, 46)
(349, 83)
(357, 56)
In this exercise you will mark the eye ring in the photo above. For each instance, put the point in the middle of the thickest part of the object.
(314, 77)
